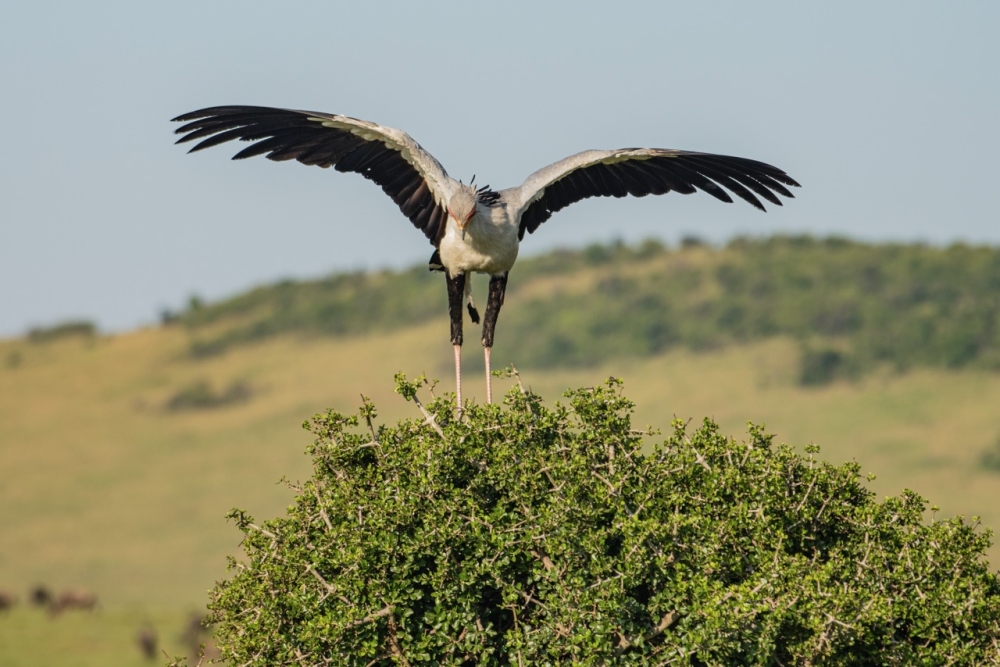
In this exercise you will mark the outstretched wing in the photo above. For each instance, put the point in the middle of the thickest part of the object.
(644, 171)
(410, 175)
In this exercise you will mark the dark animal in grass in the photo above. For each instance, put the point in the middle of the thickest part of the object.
(41, 596)
(197, 637)
(70, 600)
(146, 640)
(7, 600)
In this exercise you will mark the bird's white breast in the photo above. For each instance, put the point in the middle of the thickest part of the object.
(490, 243)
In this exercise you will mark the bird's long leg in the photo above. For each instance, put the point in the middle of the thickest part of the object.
(498, 287)
(489, 377)
(458, 376)
(456, 291)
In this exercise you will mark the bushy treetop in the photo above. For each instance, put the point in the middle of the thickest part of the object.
(522, 534)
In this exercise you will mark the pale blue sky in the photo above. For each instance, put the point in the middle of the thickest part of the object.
(886, 113)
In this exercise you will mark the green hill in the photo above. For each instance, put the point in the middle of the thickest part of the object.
(121, 454)
(851, 306)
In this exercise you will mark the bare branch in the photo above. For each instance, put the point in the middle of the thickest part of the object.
(330, 588)
(668, 619)
(428, 416)
(371, 428)
(397, 651)
(385, 611)
(610, 486)
(701, 459)
(546, 561)
(531, 600)
(322, 512)
(261, 530)
(517, 376)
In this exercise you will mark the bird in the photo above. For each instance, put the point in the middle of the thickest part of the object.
(475, 229)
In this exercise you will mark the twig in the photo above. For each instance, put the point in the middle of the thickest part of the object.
(610, 486)
(385, 611)
(701, 459)
(804, 498)
(840, 623)
(529, 599)
(668, 619)
(546, 561)
(322, 512)
(517, 376)
(368, 419)
(261, 530)
(319, 577)
(428, 416)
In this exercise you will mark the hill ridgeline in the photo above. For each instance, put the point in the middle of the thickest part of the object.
(852, 306)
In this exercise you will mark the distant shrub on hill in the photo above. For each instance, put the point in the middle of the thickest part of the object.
(341, 305)
(528, 535)
(199, 395)
(822, 366)
(853, 306)
(13, 359)
(71, 329)
(990, 458)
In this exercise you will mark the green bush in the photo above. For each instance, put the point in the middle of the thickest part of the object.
(71, 329)
(990, 458)
(199, 395)
(820, 366)
(530, 535)
(14, 359)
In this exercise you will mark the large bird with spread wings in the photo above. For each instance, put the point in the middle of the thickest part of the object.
(476, 230)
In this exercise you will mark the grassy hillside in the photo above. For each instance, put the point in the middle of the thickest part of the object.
(106, 487)
(851, 306)
(120, 455)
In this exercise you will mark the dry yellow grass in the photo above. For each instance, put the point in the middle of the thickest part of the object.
(104, 489)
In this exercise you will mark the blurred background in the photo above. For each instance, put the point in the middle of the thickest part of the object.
(168, 321)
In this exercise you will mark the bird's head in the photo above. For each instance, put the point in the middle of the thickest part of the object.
(462, 207)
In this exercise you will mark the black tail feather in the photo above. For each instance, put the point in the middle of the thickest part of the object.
(434, 264)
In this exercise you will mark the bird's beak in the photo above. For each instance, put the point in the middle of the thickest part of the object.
(461, 225)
